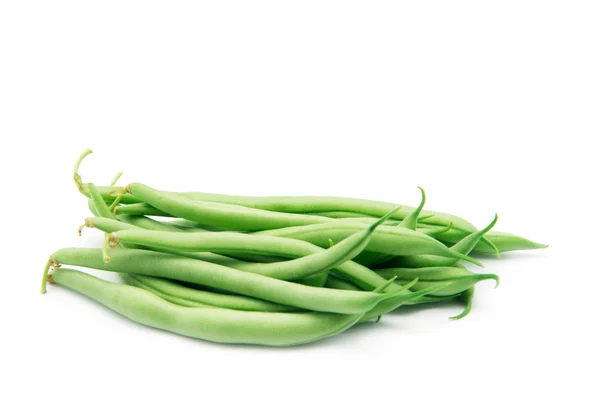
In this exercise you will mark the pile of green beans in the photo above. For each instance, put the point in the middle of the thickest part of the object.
(275, 271)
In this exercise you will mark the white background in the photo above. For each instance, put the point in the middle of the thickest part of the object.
(490, 106)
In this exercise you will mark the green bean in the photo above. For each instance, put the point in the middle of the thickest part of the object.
(134, 282)
(147, 209)
(367, 279)
(214, 299)
(460, 278)
(148, 223)
(321, 207)
(244, 218)
(151, 224)
(409, 222)
(311, 204)
(191, 270)
(118, 199)
(103, 192)
(324, 260)
(139, 221)
(216, 214)
(503, 241)
(77, 177)
(109, 226)
(371, 259)
(316, 204)
(435, 232)
(506, 242)
(386, 239)
(392, 304)
(141, 209)
(467, 298)
(345, 214)
(287, 270)
(213, 324)
(217, 242)
(184, 223)
(98, 203)
(464, 246)
(115, 180)
(361, 217)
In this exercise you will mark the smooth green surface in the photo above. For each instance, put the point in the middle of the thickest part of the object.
(507, 242)
(464, 246)
(338, 283)
(204, 273)
(217, 214)
(389, 240)
(212, 324)
(176, 290)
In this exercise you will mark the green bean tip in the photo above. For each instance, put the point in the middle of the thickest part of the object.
(76, 177)
(461, 315)
(47, 277)
(490, 276)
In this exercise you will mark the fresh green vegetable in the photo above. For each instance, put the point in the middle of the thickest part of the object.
(278, 270)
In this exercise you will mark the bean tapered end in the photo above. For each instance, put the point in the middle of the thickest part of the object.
(76, 177)
(47, 276)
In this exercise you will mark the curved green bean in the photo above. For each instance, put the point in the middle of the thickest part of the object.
(134, 282)
(311, 204)
(324, 260)
(217, 214)
(213, 324)
(464, 246)
(502, 241)
(208, 298)
(465, 297)
(386, 239)
(191, 270)
(307, 263)
(318, 208)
